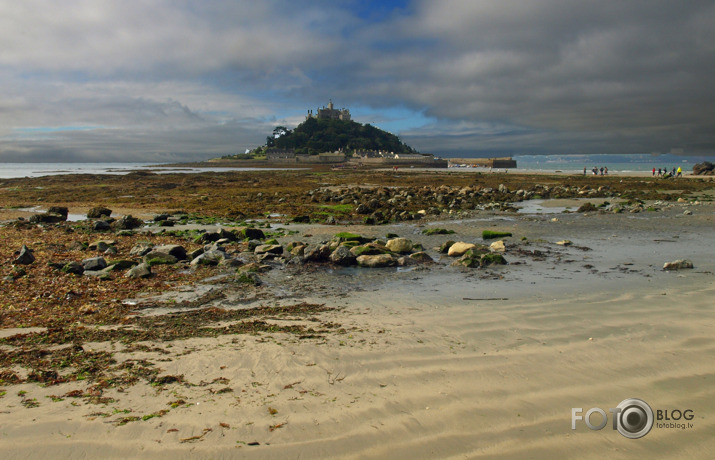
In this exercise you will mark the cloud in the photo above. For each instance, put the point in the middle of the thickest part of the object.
(181, 78)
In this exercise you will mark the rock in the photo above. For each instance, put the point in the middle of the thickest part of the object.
(330, 220)
(155, 257)
(318, 254)
(498, 246)
(111, 250)
(61, 210)
(142, 270)
(564, 243)
(122, 264)
(141, 249)
(421, 257)
(298, 250)
(369, 249)
(25, 257)
(251, 233)
(175, 250)
(47, 218)
(73, 267)
(102, 245)
(362, 209)
(444, 247)
(161, 217)
(195, 253)
(678, 265)
(211, 258)
(127, 222)
(377, 261)
(688, 212)
(587, 207)
(101, 226)
(704, 168)
(269, 248)
(99, 212)
(342, 256)
(301, 219)
(399, 245)
(94, 264)
(459, 248)
(492, 259)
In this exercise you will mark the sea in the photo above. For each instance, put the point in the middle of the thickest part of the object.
(19, 170)
(541, 163)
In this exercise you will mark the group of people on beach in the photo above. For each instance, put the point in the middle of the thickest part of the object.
(603, 170)
(666, 174)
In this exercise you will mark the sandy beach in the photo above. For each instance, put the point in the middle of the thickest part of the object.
(432, 361)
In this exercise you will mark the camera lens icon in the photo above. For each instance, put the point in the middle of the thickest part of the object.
(635, 418)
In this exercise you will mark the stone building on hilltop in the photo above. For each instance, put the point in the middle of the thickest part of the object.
(330, 113)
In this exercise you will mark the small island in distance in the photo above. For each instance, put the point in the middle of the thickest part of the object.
(330, 136)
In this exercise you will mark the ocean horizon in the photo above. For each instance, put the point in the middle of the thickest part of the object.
(545, 163)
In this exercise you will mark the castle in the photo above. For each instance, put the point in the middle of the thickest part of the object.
(330, 113)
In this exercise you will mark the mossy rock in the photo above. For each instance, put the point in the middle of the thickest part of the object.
(587, 207)
(490, 234)
(492, 259)
(122, 264)
(347, 236)
(437, 231)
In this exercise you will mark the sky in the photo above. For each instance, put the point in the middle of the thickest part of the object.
(180, 80)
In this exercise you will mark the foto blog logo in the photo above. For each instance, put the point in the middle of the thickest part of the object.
(633, 418)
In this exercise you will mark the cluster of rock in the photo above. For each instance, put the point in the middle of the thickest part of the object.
(383, 204)
(704, 169)
(348, 249)
(475, 255)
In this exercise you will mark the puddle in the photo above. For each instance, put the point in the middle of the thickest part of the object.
(540, 207)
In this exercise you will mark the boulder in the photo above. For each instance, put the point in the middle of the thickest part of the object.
(421, 257)
(175, 250)
(141, 248)
(61, 210)
(142, 270)
(342, 256)
(318, 254)
(99, 212)
(704, 168)
(211, 258)
(101, 226)
(25, 257)
(564, 243)
(444, 247)
(251, 233)
(155, 257)
(369, 249)
(678, 265)
(399, 245)
(498, 246)
(459, 248)
(491, 259)
(94, 264)
(269, 249)
(73, 267)
(377, 261)
(47, 218)
(127, 222)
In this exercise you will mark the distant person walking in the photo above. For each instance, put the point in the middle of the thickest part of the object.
(605, 170)
(584, 170)
(602, 170)
(680, 171)
(654, 172)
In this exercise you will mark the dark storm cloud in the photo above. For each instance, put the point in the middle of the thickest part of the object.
(155, 79)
